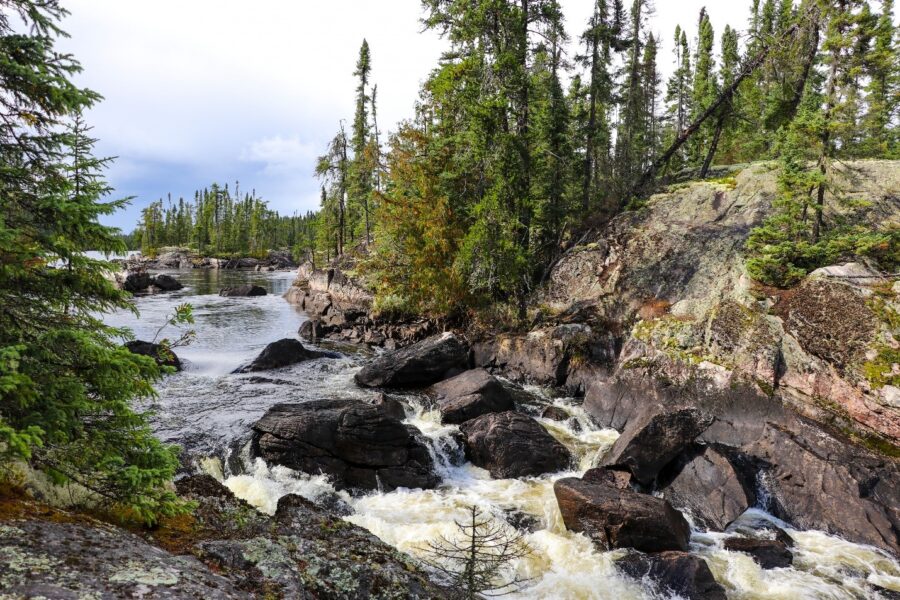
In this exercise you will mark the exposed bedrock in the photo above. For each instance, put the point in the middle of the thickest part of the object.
(811, 476)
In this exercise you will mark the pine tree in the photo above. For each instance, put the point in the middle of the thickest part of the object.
(599, 39)
(882, 67)
(678, 95)
(361, 167)
(67, 386)
(333, 167)
(704, 88)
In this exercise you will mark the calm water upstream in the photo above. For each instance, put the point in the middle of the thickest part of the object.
(209, 412)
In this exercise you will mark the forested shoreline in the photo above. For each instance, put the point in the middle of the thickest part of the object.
(518, 147)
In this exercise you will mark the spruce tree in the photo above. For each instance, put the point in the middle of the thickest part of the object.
(67, 386)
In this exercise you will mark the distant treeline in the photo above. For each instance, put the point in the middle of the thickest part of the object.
(218, 222)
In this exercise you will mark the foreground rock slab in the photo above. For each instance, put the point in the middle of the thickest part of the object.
(242, 291)
(162, 356)
(470, 394)
(45, 559)
(282, 353)
(422, 364)
(620, 518)
(361, 446)
(676, 573)
(511, 444)
(656, 437)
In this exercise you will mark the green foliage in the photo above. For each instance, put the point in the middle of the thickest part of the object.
(66, 386)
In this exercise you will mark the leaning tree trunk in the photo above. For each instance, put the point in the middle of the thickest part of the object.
(707, 162)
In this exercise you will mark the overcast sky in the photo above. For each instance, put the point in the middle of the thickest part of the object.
(198, 91)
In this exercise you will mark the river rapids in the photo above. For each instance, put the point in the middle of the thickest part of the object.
(208, 411)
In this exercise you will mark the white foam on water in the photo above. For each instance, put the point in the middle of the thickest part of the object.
(562, 564)
(265, 485)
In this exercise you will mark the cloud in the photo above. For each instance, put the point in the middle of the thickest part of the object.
(281, 155)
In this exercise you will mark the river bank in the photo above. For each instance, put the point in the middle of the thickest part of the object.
(643, 323)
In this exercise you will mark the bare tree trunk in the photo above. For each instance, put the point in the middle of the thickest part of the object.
(707, 162)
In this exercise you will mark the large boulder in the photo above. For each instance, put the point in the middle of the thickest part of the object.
(470, 394)
(768, 554)
(281, 354)
(360, 446)
(713, 484)
(652, 440)
(424, 363)
(162, 355)
(614, 517)
(510, 444)
(166, 283)
(243, 290)
(675, 573)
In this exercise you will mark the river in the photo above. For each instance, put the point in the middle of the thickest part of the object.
(208, 411)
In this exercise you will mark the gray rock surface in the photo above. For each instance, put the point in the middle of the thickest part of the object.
(675, 574)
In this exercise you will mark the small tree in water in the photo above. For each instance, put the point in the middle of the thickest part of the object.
(477, 561)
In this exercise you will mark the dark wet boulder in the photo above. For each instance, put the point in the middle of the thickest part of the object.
(360, 446)
(675, 574)
(714, 484)
(511, 444)
(392, 406)
(282, 354)
(555, 413)
(620, 518)
(242, 291)
(470, 394)
(166, 283)
(419, 365)
(136, 281)
(313, 330)
(652, 440)
(768, 554)
(162, 355)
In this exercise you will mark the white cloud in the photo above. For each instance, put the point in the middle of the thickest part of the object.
(281, 155)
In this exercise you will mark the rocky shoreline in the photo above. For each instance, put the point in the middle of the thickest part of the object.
(183, 258)
(658, 316)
